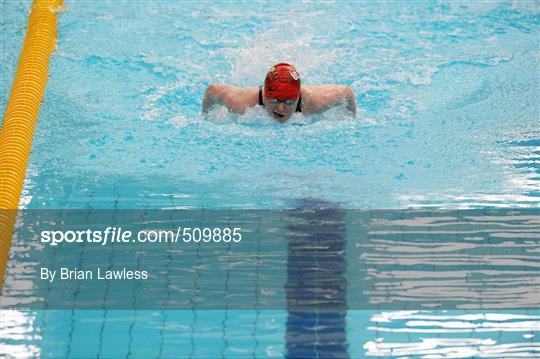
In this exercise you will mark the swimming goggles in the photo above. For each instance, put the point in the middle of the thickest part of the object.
(275, 100)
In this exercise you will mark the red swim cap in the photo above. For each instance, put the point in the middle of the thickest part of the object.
(282, 82)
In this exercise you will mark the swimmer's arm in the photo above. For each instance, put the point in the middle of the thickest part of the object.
(215, 94)
(341, 95)
(325, 97)
(350, 101)
(236, 99)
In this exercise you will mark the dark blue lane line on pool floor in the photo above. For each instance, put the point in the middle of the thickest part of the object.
(316, 285)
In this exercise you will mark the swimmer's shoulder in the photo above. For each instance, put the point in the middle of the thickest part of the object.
(245, 97)
(237, 99)
(311, 98)
(321, 91)
(249, 93)
(234, 95)
(315, 98)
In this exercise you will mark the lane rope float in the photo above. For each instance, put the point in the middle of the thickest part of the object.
(22, 113)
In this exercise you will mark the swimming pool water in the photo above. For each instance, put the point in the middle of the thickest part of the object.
(447, 98)
(447, 95)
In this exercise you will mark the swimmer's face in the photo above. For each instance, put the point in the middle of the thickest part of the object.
(280, 111)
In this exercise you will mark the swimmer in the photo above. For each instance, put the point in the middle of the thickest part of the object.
(281, 96)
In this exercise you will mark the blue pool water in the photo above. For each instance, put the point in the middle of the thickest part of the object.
(447, 98)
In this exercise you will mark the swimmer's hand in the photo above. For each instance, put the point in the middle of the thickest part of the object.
(214, 94)
(350, 102)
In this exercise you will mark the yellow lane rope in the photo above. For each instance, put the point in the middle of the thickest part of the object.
(22, 113)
